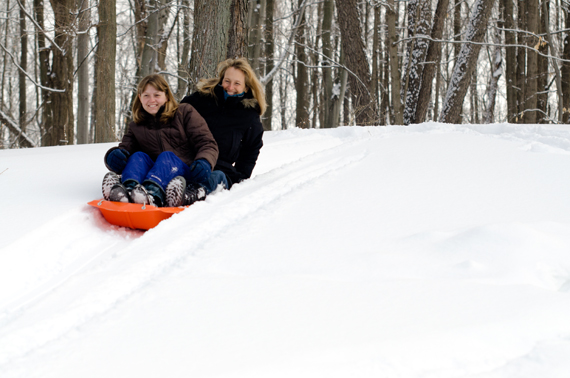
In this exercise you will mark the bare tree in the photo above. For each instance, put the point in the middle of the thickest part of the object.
(395, 75)
(356, 60)
(83, 73)
(208, 48)
(466, 62)
(419, 21)
(105, 73)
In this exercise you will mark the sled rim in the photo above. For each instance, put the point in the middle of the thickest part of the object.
(134, 215)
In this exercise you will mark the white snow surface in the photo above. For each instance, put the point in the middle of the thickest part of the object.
(423, 251)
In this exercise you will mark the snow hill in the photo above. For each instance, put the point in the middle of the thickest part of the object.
(424, 251)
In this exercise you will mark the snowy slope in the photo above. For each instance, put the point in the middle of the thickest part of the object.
(426, 251)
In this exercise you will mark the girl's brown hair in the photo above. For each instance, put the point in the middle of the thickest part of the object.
(160, 84)
(252, 83)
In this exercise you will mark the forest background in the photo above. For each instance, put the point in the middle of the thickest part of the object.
(69, 68)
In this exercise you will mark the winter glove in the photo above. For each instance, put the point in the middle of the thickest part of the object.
(117, 159)
(200, 171)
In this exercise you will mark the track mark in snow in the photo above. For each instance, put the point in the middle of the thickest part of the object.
(92, 290)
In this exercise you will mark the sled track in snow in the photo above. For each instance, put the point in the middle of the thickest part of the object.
(88, 290)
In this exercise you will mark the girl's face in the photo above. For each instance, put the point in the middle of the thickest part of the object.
(234, 81)
(152, 99)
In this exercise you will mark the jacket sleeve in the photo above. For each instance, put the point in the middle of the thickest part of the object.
(200, 136)
(251, 145)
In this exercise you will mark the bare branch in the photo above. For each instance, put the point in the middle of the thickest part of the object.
(28, 75)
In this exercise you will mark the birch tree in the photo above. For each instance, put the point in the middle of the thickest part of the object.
(466, 62)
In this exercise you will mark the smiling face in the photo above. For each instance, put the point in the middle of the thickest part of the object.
(152, 99)
(234, 81)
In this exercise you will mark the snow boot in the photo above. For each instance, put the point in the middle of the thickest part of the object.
(111, 179)
(122, 192)
(193, 193)
(175, 191)
(148, 193)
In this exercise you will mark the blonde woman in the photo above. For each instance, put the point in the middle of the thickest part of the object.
(232, 104)
(164, 140)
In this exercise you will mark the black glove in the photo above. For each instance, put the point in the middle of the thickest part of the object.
(200, 171)
(117, 159)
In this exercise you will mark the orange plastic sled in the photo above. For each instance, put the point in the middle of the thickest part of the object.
(134, 215)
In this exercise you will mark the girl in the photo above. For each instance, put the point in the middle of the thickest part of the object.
(164, 140)
(231, 104)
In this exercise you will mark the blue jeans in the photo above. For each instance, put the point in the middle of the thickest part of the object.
(167, 166)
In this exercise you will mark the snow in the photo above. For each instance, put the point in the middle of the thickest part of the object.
(424, 251)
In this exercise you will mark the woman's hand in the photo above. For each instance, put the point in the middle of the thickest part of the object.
(200, 171)
(117, 159)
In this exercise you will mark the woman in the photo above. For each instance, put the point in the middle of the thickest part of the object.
(232, 104)
(164, 140)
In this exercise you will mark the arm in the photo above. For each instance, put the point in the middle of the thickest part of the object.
(200, 136)
(251, 145)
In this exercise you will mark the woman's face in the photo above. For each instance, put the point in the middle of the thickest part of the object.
(152, 99)
(234, 81)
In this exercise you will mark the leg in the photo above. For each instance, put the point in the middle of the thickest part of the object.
(216, 178)
(138, 165)
(166, 167)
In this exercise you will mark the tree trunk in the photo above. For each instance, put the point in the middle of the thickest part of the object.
(565, 73)
(496, 71)
(432, 62)
(419, 17)
(185, 55)
(327, 100)
(237, 39)
(83, 73)
(149, 57)
(396, 83)
(163, 34)
(210, 41)
(269, 58)
(302, 78)
(466, 62)
(22, 77)
(356, 61)
(532, 12)
(375, 60)
(105, 73)
(44, 66)
(521, 63)
(60, 106)
(510, 59)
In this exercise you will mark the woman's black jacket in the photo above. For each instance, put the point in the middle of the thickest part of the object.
(236, 127)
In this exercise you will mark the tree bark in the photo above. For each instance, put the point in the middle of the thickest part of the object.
(432, 61)
(565, 73)
(237, 39)
(466, 62)
(105, 73)
(396, 83)
(496, 71)
(83, 73)
(149, 57)
(510, 59)
(302, 78)
(185, 55)
(356, 61)
(327, 100)
(269, 58)
(530, 102)
(22, 77)
(210, 41)
(419, 16)
(62, 129)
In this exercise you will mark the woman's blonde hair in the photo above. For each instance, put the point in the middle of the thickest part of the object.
(207, 86)
(161, 85)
